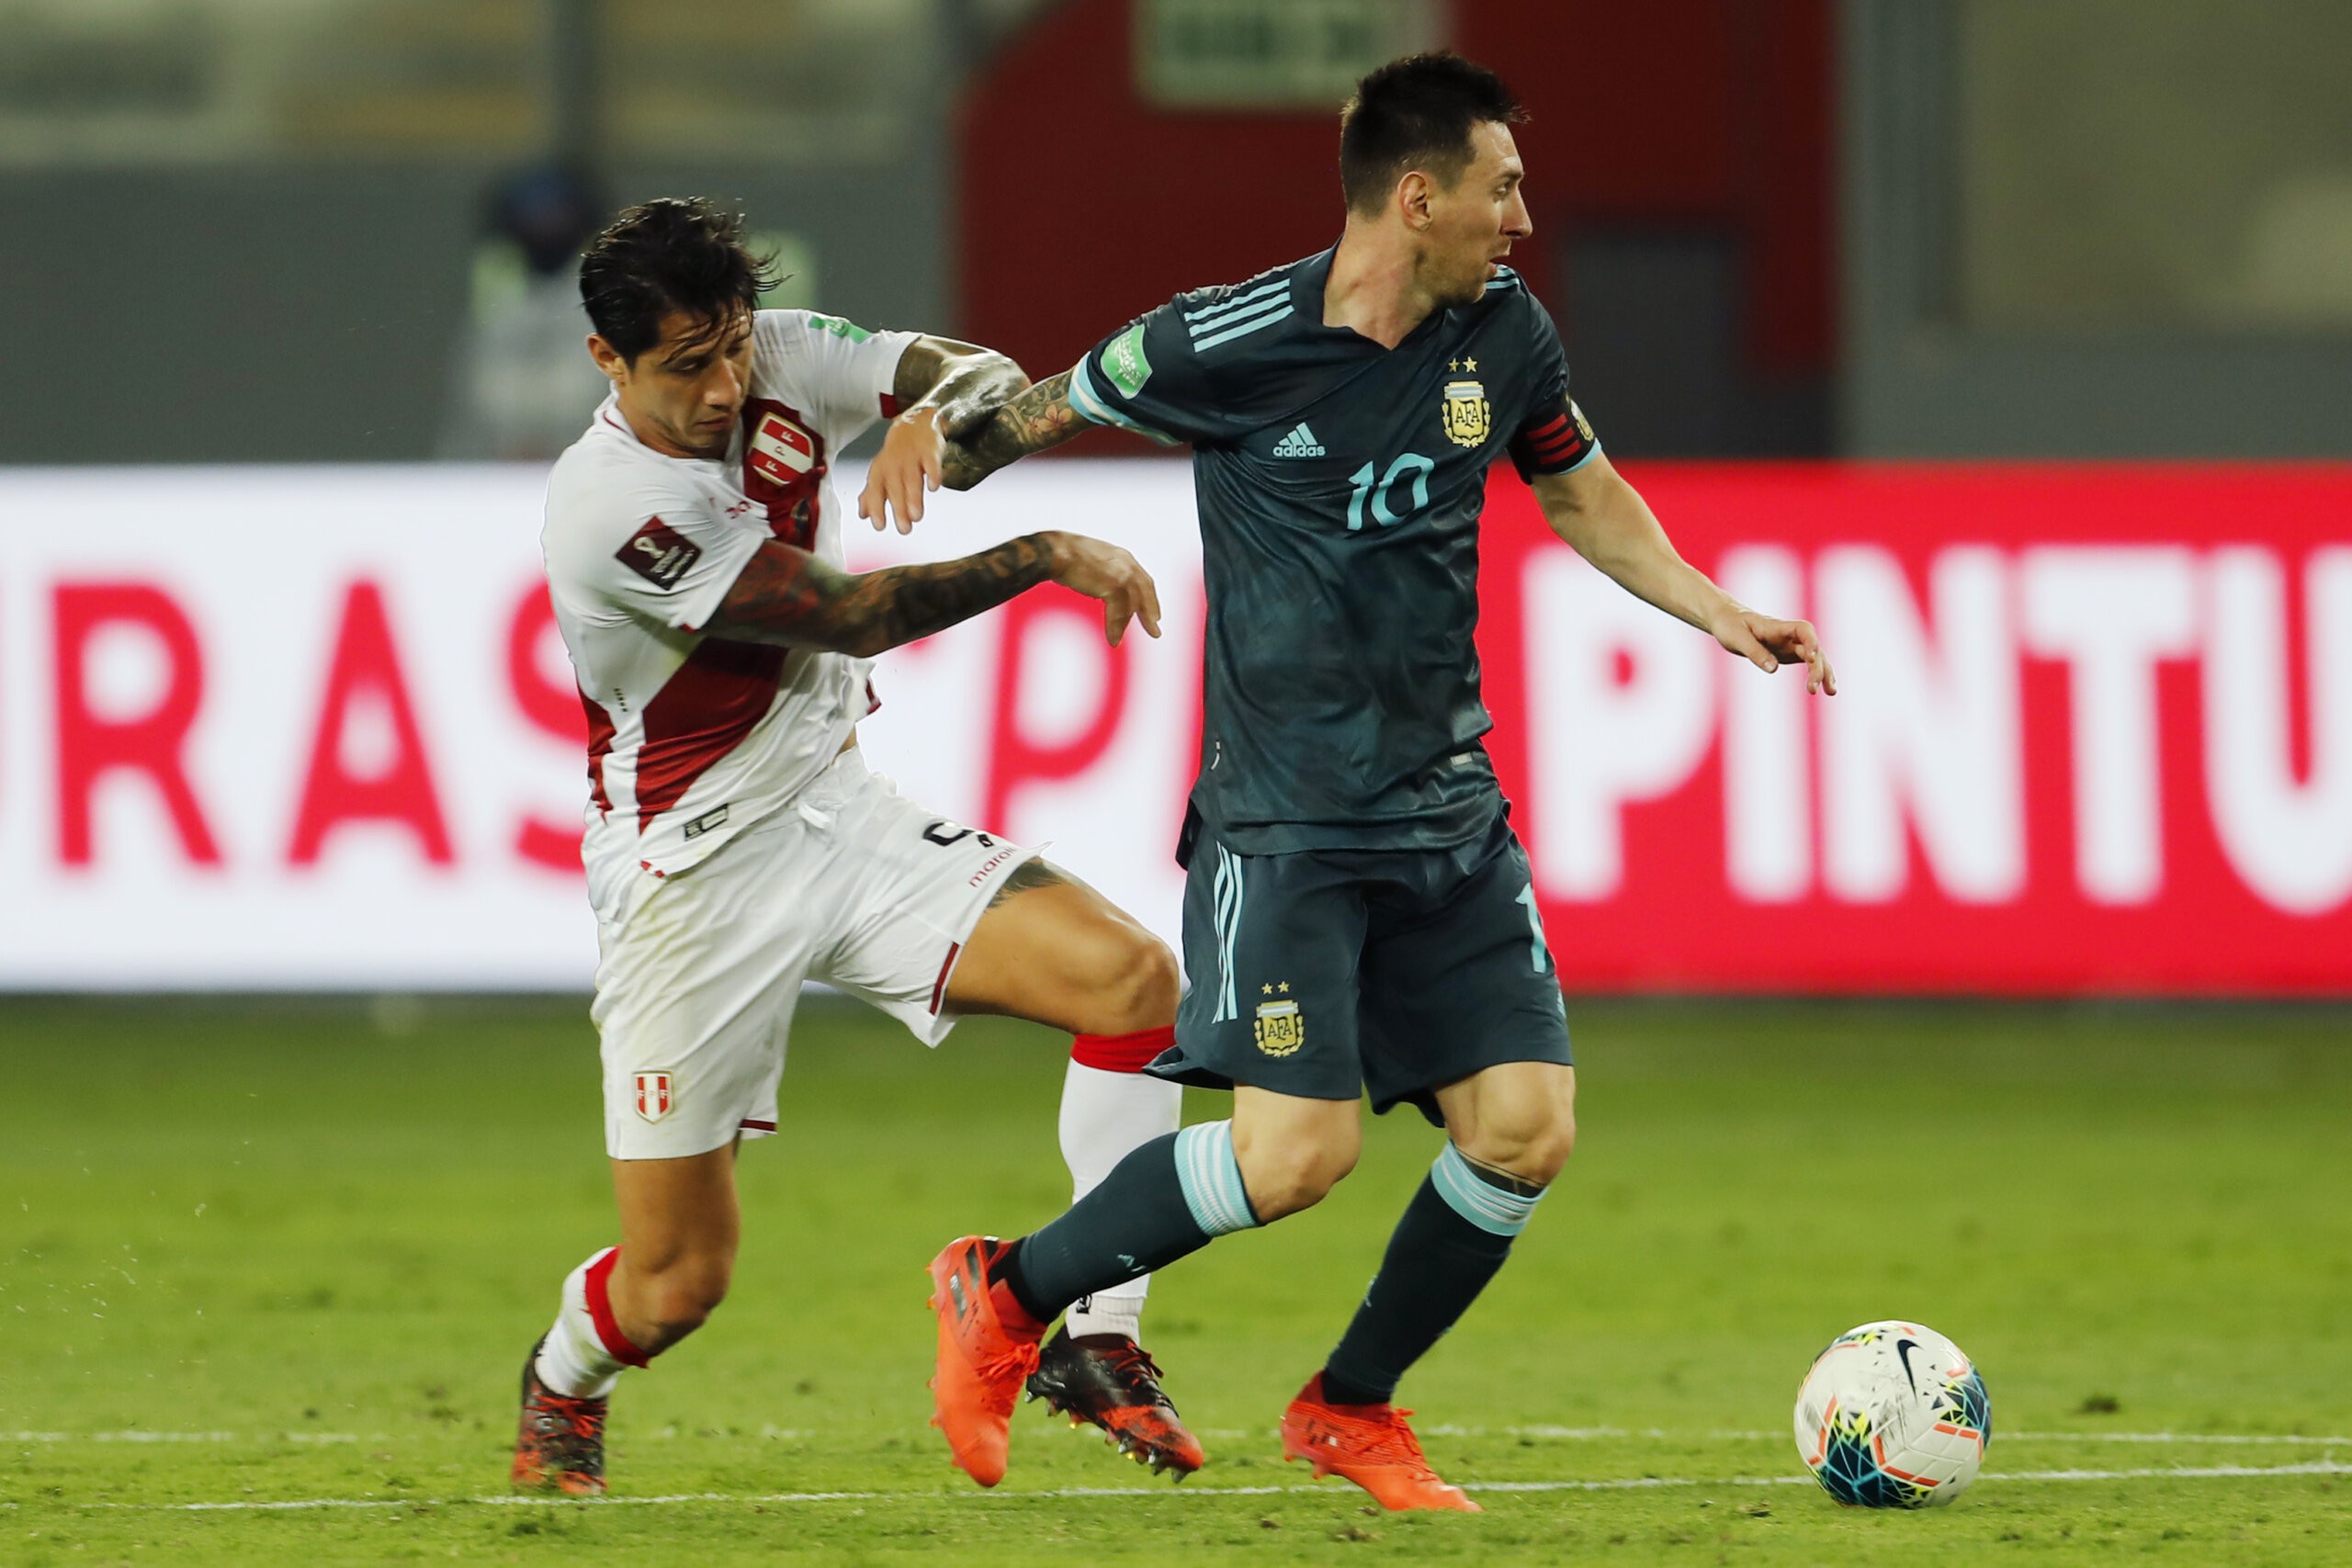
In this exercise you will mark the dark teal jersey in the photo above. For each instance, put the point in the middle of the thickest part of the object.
(1339, 485)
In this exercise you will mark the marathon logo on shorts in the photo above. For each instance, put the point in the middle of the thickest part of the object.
(660, 554)
(706, 822)
(655, 1095)
(990, 866)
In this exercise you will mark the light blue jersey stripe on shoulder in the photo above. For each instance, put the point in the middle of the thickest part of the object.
(1206, 311)
(1088, 401)
(1202, 345)
(1277, 304)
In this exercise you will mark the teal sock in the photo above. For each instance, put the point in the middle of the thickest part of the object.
(1171, 1197)
(1454, 1237)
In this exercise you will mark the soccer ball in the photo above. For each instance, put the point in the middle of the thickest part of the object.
(1893, 1416)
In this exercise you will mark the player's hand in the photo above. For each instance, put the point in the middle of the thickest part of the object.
(1767, 644)
(908, 464)
(1108, 572)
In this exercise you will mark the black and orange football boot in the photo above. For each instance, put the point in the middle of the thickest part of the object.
(560, 1444)
(1111, 1381)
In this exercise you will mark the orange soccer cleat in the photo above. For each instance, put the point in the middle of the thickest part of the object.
(987, 1347)
(1370, 1445)
(560, 1445)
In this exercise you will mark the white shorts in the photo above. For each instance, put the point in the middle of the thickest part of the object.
(700, 971)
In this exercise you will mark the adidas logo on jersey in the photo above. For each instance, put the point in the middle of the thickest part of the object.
(1299, 442)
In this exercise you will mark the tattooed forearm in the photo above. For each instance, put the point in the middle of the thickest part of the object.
(961, 382)
(1038, 418)
(788, 596)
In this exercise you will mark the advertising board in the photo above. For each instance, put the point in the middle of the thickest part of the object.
(313, 727)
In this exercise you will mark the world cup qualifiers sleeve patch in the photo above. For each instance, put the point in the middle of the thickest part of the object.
(660, 554)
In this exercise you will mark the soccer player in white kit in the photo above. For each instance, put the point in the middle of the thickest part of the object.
(737, 844)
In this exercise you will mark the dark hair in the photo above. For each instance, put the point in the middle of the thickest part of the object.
(1417, 112)
(669, 254)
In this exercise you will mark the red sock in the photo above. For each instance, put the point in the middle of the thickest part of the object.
(1122, 1053)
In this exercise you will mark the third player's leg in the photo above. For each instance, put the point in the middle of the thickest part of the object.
(1052, 950)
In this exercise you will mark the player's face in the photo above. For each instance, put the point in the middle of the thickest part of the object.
(1474, 225)
(683, 395)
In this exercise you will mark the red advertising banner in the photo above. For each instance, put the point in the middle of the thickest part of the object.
(2094, 734)
(313, 727)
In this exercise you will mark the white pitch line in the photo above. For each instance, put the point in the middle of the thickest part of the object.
(1627, 1483)
(1235, 1434)
(141, 1436)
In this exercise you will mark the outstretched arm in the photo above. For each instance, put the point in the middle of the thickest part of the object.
(788, 596)
(944, 390)
(1030, 422)
(1610, 526)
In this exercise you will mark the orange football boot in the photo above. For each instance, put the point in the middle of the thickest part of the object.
(988, 1346)
(1370, 1445)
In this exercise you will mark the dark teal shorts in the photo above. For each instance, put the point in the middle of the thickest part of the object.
(1328, 974)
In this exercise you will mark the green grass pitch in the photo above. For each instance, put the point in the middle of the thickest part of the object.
(291, 1253)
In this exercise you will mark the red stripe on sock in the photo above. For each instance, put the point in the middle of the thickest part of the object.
(1122, 1053)
(600, 1312)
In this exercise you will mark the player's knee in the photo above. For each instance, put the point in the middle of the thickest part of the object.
(681, 1299)
(1282, 1178)
(1134, 982)
(1536, 1143)
(1548, 1150)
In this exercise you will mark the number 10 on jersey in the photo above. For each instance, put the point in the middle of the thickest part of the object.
(1380, 489)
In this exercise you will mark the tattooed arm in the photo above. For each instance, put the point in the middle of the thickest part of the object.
(960, 383)
(944, 389)
(788, 596)
(1036, 418)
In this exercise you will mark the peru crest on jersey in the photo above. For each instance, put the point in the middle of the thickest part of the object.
(781, 450)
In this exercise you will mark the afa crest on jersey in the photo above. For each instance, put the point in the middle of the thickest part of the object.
(1281, 1028)
(1465, 413)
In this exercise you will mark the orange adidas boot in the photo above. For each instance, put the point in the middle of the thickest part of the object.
(1370, 1445)
(988, 1346)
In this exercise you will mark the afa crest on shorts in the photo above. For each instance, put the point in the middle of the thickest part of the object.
(1465, 413)
(1280, 1027)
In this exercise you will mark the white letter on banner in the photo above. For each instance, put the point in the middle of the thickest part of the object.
(1768, 766)
(1922, 729)
(2290, 840)
(1600, 741)
(2110, 613)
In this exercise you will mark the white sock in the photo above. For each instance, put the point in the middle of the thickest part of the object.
(1105, 1117)
(573, 1359)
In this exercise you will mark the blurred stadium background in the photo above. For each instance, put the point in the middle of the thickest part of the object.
(2010, 340)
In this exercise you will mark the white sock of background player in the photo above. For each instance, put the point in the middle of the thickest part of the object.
(1110, 1108)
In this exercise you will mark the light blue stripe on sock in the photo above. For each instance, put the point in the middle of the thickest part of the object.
(1211, 1178)
(1475, 1199)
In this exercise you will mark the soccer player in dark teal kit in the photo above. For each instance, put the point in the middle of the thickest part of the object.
(1358, 916)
